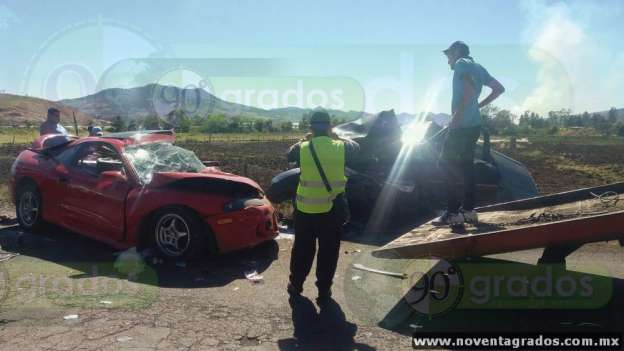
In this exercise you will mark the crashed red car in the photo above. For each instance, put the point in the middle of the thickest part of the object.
(139, 189)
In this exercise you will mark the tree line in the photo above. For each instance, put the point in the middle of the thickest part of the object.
(498, 121)
(503, 122)
(181, 122)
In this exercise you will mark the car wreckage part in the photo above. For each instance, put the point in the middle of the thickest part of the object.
(379, 271)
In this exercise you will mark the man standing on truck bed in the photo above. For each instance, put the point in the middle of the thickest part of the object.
(319, 215)
(457, 157)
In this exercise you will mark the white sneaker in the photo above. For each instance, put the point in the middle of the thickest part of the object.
(470, 216)
(450, 219)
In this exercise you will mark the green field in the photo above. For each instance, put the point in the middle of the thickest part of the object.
(25, 136)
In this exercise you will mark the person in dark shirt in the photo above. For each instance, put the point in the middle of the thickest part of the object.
(52, 124)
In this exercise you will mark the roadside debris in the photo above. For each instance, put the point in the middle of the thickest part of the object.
(353, 251)
(251, 272)
(235, 288)
(4, 256)
(181, 264)
(356, 277)
(106, 302)
(70, 317)
(378, 271)
(253, 276)
(124, 338)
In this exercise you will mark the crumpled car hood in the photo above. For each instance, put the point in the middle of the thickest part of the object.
(160, 179)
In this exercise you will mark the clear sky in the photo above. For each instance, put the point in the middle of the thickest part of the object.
(360, 55)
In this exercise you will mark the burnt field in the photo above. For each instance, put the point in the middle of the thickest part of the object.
(566, 163)
(556, 163)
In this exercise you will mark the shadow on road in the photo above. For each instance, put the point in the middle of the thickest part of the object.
(326, 330)
(81, 253)
(594, 306)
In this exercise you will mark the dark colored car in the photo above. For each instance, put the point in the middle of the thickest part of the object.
(397, 174)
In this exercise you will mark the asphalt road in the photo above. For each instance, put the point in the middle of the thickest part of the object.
(64, 292)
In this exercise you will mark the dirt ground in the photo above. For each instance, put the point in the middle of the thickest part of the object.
(557, 165)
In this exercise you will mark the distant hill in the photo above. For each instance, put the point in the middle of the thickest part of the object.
(19, 111)
(158, 99)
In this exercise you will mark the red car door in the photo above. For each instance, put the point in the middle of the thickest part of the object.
(94, 203)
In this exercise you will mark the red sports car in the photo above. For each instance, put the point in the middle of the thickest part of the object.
(139, 189)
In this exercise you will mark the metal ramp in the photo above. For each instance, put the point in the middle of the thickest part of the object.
(561, 223)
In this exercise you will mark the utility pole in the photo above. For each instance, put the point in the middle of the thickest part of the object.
(75, 123)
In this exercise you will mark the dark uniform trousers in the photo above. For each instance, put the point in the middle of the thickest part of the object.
(309, 228)
(457, 163)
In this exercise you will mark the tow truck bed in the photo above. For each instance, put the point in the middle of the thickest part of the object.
(560, 222)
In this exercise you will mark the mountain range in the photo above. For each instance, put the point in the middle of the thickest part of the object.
(138, 102)
(158, 99)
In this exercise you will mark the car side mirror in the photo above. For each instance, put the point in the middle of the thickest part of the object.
(104, 165)
(113, 176)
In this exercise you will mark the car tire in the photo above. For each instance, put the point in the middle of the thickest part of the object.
(28, 207)
(179, 233)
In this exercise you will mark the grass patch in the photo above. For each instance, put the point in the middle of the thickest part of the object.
(26, 136)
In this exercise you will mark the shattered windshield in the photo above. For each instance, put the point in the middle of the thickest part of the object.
(161, 157)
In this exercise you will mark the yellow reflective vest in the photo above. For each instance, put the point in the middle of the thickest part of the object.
(312, 195)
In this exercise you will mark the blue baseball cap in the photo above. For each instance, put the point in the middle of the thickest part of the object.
(459, 46)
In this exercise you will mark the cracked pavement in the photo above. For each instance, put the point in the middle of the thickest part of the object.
(210, 305)
(205, 305)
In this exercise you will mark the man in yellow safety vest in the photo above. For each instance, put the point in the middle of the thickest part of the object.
(316, 217)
